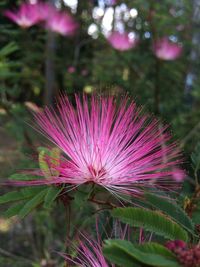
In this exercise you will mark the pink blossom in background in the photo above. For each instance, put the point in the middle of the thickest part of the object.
(26, 16)
(30, 14)
(71, 69)
(178, 175)
(113, 146)
(45, 10)
(122, 41)
(165, 49)
(113, 2)
(61, 22)
(84, 72)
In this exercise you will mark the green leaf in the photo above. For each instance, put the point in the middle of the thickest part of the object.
(32, 191)
(117, 255)
(151, 221)
(22, 177)
(156, 248)
(43, 164)
(118, 250)
(44, 149)
(172, 210)
(80, 197)
(14, 209)
(33, 203)
(196, 157)
(20, 195)
(8, 49)
(55, 154)
(55, 159)
(36, 265)
(11, 196)
(51, 195)
(82, 194)
(196, 216)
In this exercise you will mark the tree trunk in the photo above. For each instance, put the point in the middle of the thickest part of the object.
(50, 80)
(195, 52)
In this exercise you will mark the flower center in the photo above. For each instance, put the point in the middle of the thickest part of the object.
(96, 174)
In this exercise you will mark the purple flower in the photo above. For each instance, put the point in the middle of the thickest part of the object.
(166, 50)
(26, 16)
(45, 10)
(30, 14)
(61, 22)
(71, 69)
(113, 146)
(89, 250)
(90, 254)
(122, 41)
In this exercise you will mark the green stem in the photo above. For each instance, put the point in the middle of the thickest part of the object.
(157, 88)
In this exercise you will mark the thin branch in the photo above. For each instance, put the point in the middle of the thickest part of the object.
(100, 202)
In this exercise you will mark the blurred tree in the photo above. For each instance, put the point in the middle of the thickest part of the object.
(86, 62)
(50, 80)
(191, 77)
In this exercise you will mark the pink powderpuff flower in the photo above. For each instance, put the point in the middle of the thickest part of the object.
(26, 16)
(61, 22)
(89, 250)
(90, 254)
(45, 10)
(110, 145)
(122, 41)
(31, 14)
(166, 50)
(71, 69)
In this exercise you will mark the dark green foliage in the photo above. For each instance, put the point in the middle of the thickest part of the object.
(171, 208)
(156, 248)
(51, 195)
(21, 177)
(33, 203)
(29, 198)
(14, 209)
(20, 194)
(8, 49)
(152, 221)
(126, 254)
(195, 157)
(196, 214)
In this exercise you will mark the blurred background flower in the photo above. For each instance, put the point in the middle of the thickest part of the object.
(122, 41)
(166, 49)
(25, 16)
(61, 22)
